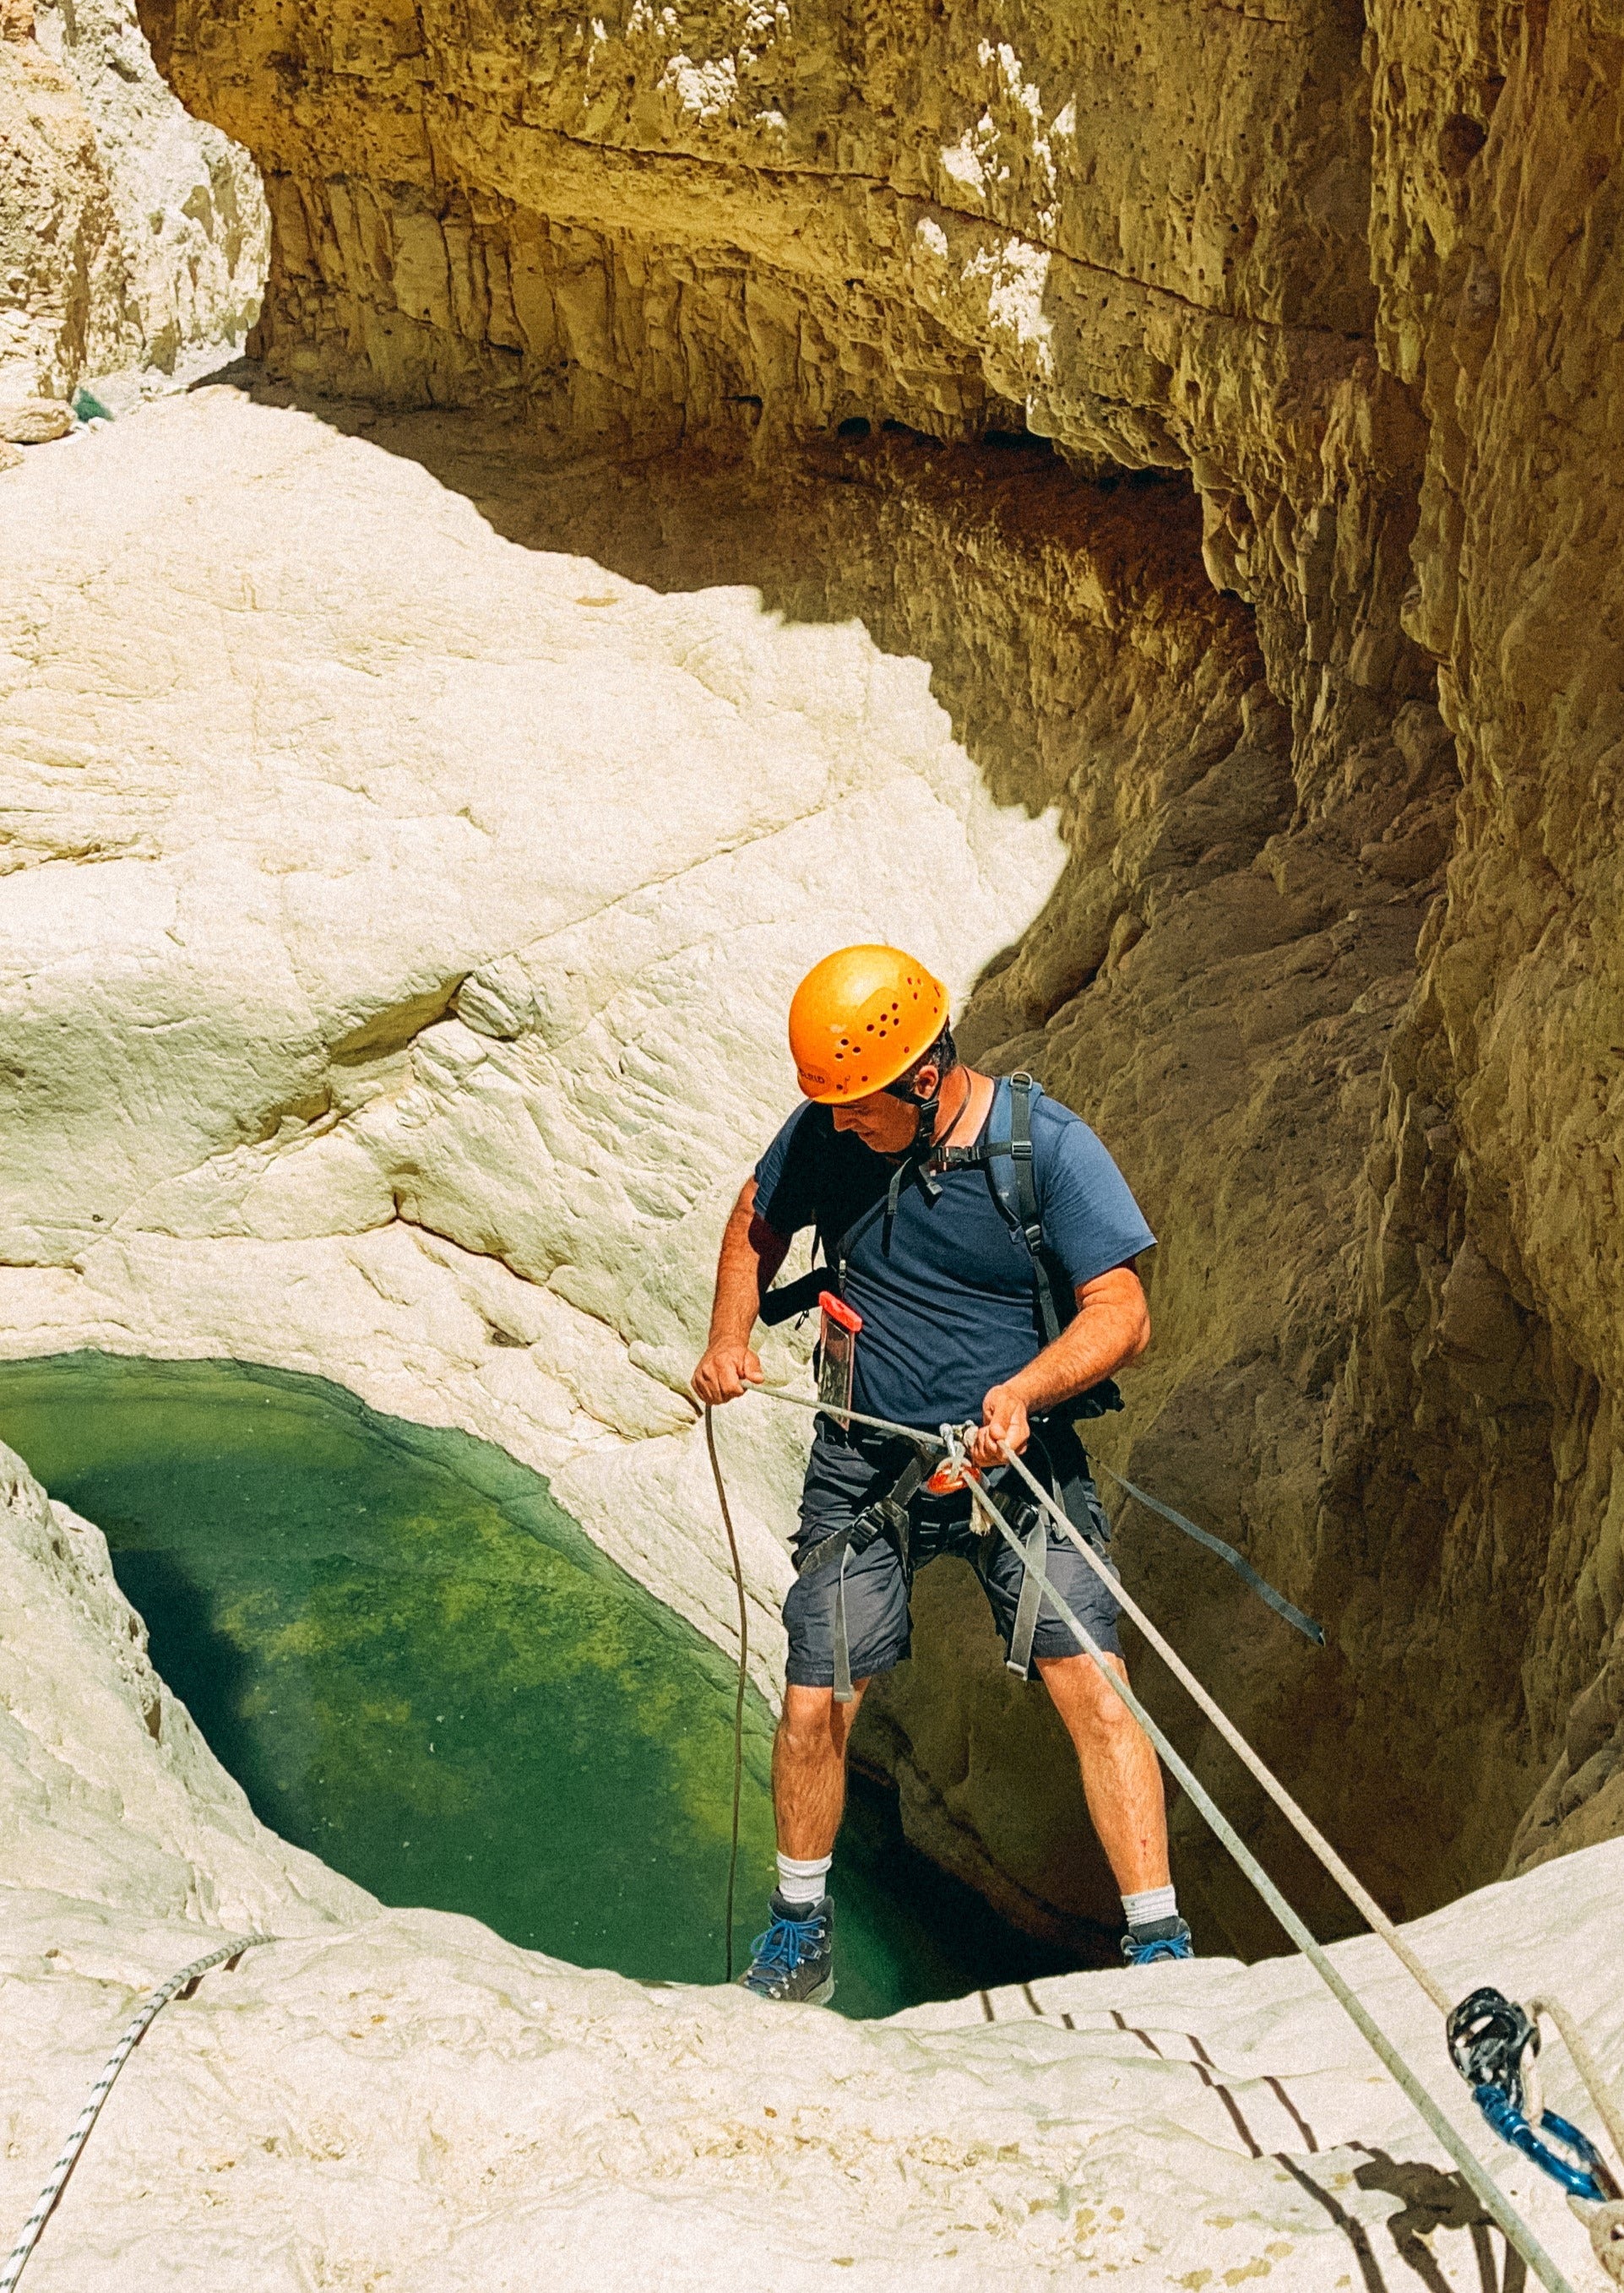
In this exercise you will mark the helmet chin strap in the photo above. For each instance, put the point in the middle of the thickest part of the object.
(928, 1110)
(927, 1117)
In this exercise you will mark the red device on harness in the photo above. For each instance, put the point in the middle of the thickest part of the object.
(836, 1350)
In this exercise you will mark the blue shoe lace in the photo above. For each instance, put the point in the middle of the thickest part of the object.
(1147, 1954)
(781, 1950)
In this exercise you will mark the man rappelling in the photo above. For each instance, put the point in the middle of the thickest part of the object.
(980, 1245)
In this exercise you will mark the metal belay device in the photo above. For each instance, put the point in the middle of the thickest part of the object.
(1492, 2041)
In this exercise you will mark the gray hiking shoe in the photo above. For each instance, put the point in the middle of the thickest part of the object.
(795, 1958)
(1165, 1939)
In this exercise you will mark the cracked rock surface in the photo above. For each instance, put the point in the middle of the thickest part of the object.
(1352, 276)
(133, 236)
(1330, 297)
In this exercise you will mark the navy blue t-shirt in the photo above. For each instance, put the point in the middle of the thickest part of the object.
(952, 1308)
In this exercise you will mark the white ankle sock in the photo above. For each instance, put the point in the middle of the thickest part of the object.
(1143, 1910)
(801, 1882)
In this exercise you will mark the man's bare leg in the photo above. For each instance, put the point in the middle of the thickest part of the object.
(809, 1768)
(1122, 1774)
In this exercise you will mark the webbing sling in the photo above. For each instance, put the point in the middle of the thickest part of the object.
(885, 1515)
(1242, 1567)
(889, 1515)
(1018, 1206)
(1018, 1149)
(1023, 1632)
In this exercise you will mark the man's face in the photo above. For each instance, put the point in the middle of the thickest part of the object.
(885, 1125)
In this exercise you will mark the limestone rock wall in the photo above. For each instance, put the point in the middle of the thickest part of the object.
(1477, 1442)
(1354, 280)
(444, 910)
(639, 226)
(131, 234)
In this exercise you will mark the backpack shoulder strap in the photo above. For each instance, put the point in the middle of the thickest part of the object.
(1013, 1177)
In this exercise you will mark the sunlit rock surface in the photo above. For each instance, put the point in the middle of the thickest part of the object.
(403, 931)
(133, 236)
(1354, 275)
(443, 835)
(1345, 292)
(382, 2094)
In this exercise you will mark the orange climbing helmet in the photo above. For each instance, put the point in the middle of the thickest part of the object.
(860, 1020)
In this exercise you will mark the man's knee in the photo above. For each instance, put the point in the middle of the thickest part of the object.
(1084, 1701)
(813, 1726)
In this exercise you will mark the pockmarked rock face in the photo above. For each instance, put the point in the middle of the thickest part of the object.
(376, 2092)
(1145, 240)
(443, 889)
(1356, 274)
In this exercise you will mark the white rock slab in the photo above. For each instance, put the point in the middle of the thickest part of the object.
(399, 959)
(398, 2098)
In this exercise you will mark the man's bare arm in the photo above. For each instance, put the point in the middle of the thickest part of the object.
(751, 1256)
(1112, 1329)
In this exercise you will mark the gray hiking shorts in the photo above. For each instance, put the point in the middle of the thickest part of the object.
(842, 1478)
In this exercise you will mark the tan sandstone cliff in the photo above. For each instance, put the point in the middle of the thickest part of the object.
(1333, 964)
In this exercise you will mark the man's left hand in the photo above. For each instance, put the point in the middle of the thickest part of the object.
(1003, 1427)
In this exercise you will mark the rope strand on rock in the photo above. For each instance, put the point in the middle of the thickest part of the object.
(152, 2006)
(1517, 2230)
(1590, 2070)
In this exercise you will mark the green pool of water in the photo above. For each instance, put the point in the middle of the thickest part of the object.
(418, 1667)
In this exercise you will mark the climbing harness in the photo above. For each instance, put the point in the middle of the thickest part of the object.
(950, 1443)
(150, 2006)
(739, 1690)
(887, 1516)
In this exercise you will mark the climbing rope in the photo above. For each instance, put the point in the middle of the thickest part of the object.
(152, 2006)
(1585, 2062)
(744, 1664)
(1583, 2173)
(1517, 2231)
